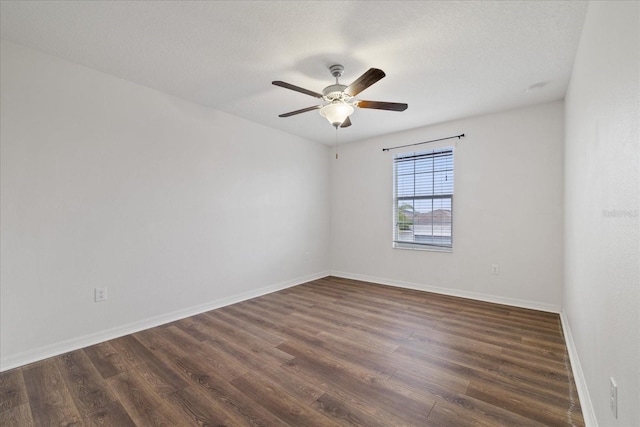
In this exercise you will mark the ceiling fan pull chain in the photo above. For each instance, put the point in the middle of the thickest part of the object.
(336, 142)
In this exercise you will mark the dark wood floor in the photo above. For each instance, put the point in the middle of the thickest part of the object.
(329, 352)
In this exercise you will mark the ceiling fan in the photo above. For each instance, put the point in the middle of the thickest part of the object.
(340, 99)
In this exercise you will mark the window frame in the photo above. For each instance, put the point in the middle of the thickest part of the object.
(397, 201)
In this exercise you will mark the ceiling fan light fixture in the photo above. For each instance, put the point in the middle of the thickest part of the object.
(336, 112)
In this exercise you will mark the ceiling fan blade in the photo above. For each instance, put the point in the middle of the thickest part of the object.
(391, 106)
(346, 123)
(364, 81)
(297, 88)
(304, 110)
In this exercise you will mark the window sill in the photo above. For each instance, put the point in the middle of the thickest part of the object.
(426, 248)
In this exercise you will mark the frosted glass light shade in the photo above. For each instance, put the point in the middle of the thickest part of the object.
(336, 112)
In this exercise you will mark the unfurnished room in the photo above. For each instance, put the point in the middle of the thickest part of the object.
(320, 213)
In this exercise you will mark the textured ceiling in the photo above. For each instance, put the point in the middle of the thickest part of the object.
(446, 59)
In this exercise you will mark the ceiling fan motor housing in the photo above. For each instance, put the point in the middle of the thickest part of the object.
(335, 93)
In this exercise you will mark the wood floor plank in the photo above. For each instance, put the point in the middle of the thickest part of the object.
(307, 322)
(268, 369)
(221, 332)
(498, 333)
(352, 313)
(107, 360)
(239, 324)
(188, 364)
(193, 327)
(142, 404)
(468, 358)
(389, 309)
(161, 377)
(362, 382)
(462, 412)
(245, 411)
(364, 340)
(294, 299)
(332, 351)
(438, 361)
(523, 353)
(552, 371)
(281, 309)
(404, 300)
(279, 403)
(553, 381)
(274, 313)
(12, 390)
(222, 364)
(510, 321)
(490, 336)
(153, 370)
(343, 352)
(434, 383)
(305, 392)
(87, 388)
(17, 416)
(112, 414)
(256, 317)
(544, 342)
(421, 340)
(381, 330)
(533, 406)
(329, 289)
(50, 401)
(197, 410)
(312, 349)
(358, 394)
(455, 407)
(345, 415)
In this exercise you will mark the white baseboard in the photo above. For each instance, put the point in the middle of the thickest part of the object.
(534, 305)
(76, 343)
(588, 412)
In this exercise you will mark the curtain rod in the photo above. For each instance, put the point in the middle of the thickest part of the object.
(425, 142)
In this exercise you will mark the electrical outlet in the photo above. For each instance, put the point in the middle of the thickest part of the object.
(613, 397)
(100, 294)
(495, 269)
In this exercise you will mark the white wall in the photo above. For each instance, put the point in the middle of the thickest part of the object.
(602, 274)
(507, 210)
(173, 207)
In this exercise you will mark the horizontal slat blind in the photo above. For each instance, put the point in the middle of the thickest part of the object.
(423, 198)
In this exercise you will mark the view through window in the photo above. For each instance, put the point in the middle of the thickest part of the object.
(423, 199)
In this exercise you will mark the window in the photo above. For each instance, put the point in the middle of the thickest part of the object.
(423, 199)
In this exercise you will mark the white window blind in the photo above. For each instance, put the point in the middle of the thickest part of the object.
(423, 199)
